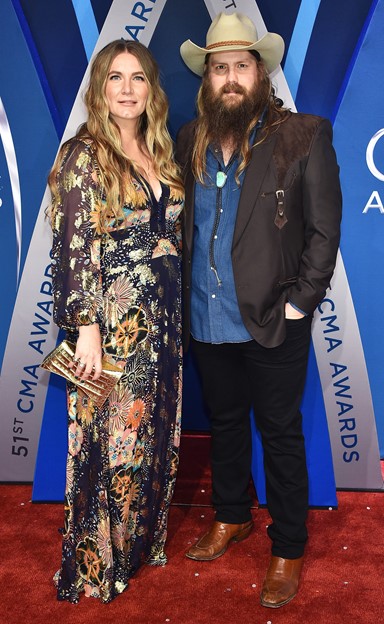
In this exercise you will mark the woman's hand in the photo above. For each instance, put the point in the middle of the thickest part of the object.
(87, 361)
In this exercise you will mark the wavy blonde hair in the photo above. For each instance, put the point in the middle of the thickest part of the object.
(274, 116)
(115, 169)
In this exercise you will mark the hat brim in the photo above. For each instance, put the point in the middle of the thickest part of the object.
(270, 47)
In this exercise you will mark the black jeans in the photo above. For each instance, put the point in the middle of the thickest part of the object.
(236, 377)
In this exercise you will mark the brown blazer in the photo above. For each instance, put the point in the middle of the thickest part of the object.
(280, 251)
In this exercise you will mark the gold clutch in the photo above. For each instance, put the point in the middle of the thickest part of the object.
(98, 391)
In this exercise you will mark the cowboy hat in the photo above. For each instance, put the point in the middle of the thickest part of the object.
(233, 32)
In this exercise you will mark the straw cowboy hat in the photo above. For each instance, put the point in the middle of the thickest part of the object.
(233, 32)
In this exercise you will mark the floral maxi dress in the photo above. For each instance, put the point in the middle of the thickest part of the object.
(122, 458)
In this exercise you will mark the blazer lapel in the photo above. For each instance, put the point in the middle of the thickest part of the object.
(254, 175)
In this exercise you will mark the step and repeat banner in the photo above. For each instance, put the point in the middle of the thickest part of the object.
(332, 66)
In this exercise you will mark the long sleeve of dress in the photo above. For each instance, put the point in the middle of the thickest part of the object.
(76, 273)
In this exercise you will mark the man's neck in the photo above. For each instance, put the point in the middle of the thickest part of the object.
(227, 149)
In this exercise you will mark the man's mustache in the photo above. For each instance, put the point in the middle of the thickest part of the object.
(233, 87)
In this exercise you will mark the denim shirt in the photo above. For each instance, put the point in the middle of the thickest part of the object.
(215, 314)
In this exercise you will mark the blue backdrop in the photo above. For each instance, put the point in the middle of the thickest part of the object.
(54, 47)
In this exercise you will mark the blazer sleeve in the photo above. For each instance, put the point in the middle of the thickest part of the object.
(322, 202)
(77, 285)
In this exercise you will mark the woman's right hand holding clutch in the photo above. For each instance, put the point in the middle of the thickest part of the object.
(87, 360)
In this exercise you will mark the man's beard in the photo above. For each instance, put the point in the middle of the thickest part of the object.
(229, 117)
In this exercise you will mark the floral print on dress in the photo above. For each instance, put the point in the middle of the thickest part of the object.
(130, 329)
(122, 457)
(164, 248)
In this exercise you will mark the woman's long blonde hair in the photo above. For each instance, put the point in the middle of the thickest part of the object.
(114, 167)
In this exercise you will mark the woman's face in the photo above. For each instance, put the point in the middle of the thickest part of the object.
(126, 89)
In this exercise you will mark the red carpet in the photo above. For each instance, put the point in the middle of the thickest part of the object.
(342, 577)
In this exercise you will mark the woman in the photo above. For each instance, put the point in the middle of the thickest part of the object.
(116, 201)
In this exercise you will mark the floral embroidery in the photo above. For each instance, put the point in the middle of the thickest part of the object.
(130, 330)
(104, 542)
(120, 484)
(75, 438)
(164, 248)
(95, 217)
(71, 180)
(121, 447)
(86, 410)
(138, 369)
(135, 414)
(120, 400)
(139, 455)
(71, 404)
(89, 560)
(131, 496)
(157, 556)
(117, 299)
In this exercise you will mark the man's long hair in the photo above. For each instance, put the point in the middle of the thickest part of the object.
(115, 170)
(275, 114)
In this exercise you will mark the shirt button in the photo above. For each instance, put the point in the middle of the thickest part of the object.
(213, 296)
(215, 236)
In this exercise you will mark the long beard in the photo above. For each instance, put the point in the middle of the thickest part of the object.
(230, 118)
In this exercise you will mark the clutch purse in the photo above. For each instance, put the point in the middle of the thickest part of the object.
(98, 391)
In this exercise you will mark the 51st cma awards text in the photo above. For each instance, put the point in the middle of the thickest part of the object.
(25, 402)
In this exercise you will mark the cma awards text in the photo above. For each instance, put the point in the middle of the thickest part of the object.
(343, 400)
(375, 202)
(29, 381)
(139, 12)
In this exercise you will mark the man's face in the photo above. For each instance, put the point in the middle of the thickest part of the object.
(227, 71)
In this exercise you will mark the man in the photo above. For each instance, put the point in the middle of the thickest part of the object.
(261, 234)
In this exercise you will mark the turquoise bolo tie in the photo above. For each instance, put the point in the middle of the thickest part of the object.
(221, 179)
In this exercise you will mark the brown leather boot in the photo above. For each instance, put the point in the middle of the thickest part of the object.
(214, 543)
(281, 582)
